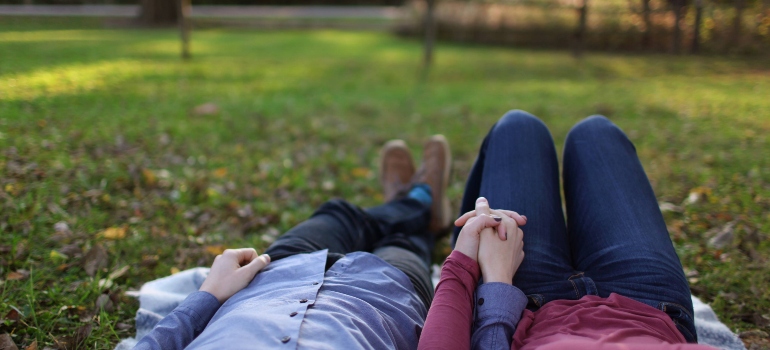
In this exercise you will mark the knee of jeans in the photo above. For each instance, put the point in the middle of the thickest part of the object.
(517, 119)
(591, 127)
(335, 205)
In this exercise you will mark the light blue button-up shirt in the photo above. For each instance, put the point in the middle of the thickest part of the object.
(361, 302)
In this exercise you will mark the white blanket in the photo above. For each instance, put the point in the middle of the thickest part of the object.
(159, 297)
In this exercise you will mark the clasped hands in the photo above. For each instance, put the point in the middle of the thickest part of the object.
(493, 239)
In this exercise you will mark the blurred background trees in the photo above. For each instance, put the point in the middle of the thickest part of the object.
(675, 26)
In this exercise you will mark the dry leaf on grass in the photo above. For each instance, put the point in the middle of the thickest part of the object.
(17, 275)
(215, 249)
(32, 346)
(206, 109)
(103, 302)
(721, 237)
(114, 233)
(6, 343)
(95, 260)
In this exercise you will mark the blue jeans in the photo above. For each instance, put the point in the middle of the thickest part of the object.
(614, 239)
(397, 232)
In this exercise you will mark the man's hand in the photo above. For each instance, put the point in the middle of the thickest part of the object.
(232, 271)
(468, 240)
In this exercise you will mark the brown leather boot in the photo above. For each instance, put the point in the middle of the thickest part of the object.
(396, 169)
(434, 171)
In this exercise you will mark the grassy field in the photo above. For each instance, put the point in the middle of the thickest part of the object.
(109, 179)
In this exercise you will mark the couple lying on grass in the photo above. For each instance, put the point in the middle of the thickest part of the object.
(520, 277)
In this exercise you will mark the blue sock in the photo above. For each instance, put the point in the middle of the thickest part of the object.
(421, 192)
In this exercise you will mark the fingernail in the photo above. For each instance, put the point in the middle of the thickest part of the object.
(525, 217)
(497, 218)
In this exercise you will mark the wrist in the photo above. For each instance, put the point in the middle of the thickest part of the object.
(496, 278)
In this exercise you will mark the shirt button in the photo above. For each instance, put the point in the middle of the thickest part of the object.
(303, 301)
(285, 339)
(293, 314)
(481, 301)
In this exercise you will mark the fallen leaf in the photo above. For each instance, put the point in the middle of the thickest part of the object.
(149, 177)
(114, 233)
(215, 249)
(32, 346)
(722, 237)
(17, 275)
(206, 109)
(666, 207)
(54, 255)
(220, 173)
(13, 315)
(362, 172)
(118, 273)
(104, 283)
(174, 270)
(6, 343)
(103, 302)
(95, 260)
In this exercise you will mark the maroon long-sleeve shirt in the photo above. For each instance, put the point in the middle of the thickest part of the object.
(590, 323)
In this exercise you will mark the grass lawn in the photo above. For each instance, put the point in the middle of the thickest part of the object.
(108, 179)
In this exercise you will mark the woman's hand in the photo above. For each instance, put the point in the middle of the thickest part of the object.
(468, 240)
(499, 259)
(499, 255)
(232, 271)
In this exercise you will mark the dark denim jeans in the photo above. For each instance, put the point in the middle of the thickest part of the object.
(614, 239)
(397, 232)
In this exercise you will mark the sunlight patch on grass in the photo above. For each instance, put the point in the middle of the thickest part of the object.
(68, 80)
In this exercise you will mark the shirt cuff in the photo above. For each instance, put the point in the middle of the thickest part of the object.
(498, 300)
(200, 307)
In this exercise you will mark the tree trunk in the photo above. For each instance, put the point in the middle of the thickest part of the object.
(580, 31)
(696, 29)
(677, 6)
(159, 12)
(737, 23)
(184, 27)
(647, 18)
(429, 29)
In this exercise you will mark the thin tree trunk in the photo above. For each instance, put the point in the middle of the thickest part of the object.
(159, 12)
(580, 31)
(677, 37)
(429, 29)
(737, 23)
(185, 26)
(647, 18)
(697, 25)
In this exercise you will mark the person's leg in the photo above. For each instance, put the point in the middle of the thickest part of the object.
(344, 228)
(517, 170)
(616, 230)
(396, 232)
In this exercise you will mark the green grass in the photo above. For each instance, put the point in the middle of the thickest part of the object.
(96, 131)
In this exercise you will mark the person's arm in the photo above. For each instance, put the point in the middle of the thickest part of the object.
(499, 304)
(231, 272)
(448, 325)
(181, 326)
(498, 311)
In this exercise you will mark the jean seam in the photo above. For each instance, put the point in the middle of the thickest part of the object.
(574, 286)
